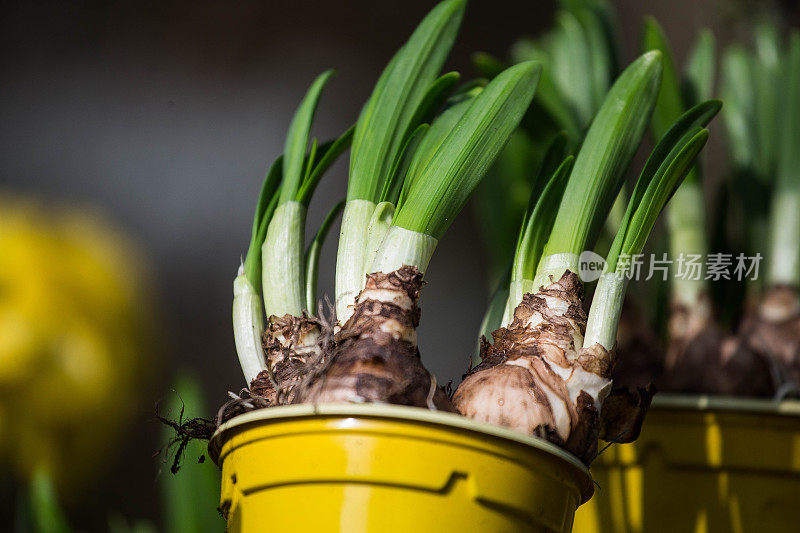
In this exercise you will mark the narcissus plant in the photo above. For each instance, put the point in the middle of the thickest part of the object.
(419, 149)
(548, 371)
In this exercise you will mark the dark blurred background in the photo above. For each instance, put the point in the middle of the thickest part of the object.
(165, 116)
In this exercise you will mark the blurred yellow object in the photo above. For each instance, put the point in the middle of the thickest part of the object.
(702, 465)
(390, 468)
(73, 323)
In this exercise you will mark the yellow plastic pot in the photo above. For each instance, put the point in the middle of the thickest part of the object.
(702, 465)
(384, 468)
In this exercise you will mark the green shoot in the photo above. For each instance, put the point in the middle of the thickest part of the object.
(686, 128)
(535, 230)
(386, 119)
(434, 137)
(327, 154)
(667, 166)
(273, 266)
(313, 253)
(267, 202)
(282, 276)
(407, 93)
(539, 220)
(661, 175)
(392, 189)
(294, 155)
(600, 166)
(446, 181)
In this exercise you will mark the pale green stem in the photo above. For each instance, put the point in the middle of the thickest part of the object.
(283, 260)
(351, 255)
(601, 327)
(248, 325)
(403, 247)
(686, 223)
(784, 238)
(311, 277)
(378, 227)
(552, 267)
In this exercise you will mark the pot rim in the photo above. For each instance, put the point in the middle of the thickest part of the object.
(704, 402)
(396, 412)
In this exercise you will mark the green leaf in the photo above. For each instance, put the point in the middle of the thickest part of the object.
(392, 188)
(190, 497)
(327, 155)
(294, 154)
(445, 183)
(385, 121)
(433, 100)
(433, 139)
(313, 253)
(539, 222)
(671, 148)
(252, 263)
(609, 146)
(311, 159)
(267, 201)
(698, 76)
(670, 104)
(663, 185)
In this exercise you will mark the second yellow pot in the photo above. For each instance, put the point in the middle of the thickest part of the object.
(702, 465)
(383, 468)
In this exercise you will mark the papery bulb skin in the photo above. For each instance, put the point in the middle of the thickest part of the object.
(375, 358)
(537, 378)
(293, 345)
